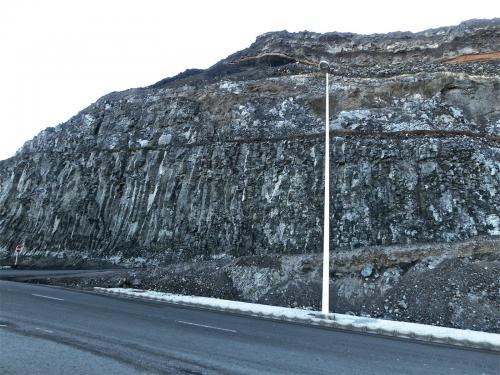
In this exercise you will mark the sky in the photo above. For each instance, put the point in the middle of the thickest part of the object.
(59, 56)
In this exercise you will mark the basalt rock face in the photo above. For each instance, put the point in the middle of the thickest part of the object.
(229, 160)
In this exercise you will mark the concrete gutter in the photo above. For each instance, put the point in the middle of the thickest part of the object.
(412, 331)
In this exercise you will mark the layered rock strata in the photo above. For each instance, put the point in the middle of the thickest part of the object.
(230, 160)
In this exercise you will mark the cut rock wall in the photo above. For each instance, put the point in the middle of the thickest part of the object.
(230, 160)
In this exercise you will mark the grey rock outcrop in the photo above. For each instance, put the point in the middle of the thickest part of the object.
(229, 161)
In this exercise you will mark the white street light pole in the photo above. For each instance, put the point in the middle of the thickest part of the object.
(325, 309)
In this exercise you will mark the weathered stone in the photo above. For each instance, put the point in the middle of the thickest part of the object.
(228, 161)
(367, 270)
(403, 304)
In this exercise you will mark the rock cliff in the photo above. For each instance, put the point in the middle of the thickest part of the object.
(220, 171)
(230, 160)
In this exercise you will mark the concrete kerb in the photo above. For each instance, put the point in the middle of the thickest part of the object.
(317, 319)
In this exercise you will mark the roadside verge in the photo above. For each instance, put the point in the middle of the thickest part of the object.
(414, 331)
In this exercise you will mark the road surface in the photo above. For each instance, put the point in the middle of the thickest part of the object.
(26, 274)
(117, 335)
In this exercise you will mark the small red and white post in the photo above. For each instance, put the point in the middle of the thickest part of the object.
(18, 250)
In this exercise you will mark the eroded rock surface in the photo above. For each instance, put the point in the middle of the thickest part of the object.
(228, 162)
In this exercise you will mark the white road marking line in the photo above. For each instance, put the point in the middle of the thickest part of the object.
(205, 326)
(44, 330)
(3, 325)
(42, 296)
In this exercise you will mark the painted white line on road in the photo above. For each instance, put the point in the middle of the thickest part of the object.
(3, 325)
(44, 330)
(205, 326)
(42, 296)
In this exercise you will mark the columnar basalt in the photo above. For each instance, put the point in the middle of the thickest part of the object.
(229, 160)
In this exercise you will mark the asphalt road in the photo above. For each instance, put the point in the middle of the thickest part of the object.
(21, 274)
(60, 331)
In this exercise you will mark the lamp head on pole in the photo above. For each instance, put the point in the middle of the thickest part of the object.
(324, 66)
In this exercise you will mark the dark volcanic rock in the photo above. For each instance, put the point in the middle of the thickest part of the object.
(467, 296)
(229, 161)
